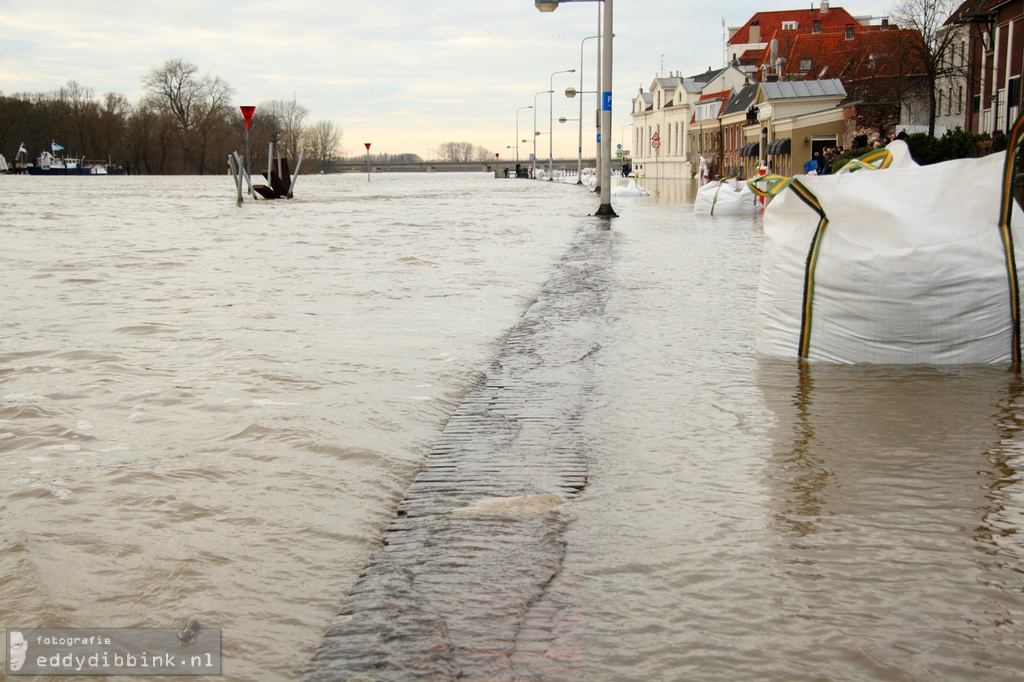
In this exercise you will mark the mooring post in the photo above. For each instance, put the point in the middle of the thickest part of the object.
(295, 176)
(236, 174)
(367, 161)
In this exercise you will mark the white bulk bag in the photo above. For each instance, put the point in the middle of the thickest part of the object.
(725, 197)
(900, 264)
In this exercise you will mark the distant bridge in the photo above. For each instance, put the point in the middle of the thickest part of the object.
(447, 166)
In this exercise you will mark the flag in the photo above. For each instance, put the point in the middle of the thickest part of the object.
(22, 150)
(56, 147)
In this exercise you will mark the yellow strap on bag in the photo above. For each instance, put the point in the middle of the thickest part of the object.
(878, 159)
(1015, 147)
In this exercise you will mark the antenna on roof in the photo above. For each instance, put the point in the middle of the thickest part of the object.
(725, 45)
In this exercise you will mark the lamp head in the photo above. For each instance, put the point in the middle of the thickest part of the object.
(546, 5)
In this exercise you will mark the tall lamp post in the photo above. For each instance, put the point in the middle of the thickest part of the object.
(517, 130)
(535, 133)
(551, 138)
(605, 209)
(579, 149)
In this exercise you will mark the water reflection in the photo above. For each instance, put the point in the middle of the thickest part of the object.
(861, 429)
(895, 505)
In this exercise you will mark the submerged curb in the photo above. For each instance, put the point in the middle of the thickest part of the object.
(461, 586)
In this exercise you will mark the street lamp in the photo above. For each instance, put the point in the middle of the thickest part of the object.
(535, 133)
(551, 138)
(605, 209)
(579, 148)
(517, 130)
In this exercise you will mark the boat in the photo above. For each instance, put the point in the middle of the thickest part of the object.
(47, 163)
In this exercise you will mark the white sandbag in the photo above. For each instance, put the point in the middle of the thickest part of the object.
(630, 190)
(725, 197)
(909, 267)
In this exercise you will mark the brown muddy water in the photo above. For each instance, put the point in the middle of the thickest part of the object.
(210, 411)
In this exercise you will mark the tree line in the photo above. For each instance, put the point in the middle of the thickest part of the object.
(458, 152)
(184, 123)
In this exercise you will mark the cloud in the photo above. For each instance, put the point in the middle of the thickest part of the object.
(404, 74)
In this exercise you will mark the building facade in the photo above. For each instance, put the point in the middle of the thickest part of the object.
(663, 142)
(993, 98)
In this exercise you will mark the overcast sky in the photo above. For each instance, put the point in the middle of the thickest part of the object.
(404, 75)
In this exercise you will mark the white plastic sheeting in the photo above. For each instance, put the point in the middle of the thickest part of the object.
(909, 268)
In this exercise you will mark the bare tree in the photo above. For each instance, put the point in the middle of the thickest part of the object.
(287, 118)
(484, 154)
(113, 122)
(321, 140)
(81, 114)
(197, 104)
(456, 152)
(932, 49)
(280, 122)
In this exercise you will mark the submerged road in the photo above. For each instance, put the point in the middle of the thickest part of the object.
(467, 582)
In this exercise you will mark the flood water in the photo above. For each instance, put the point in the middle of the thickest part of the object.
(210, 411)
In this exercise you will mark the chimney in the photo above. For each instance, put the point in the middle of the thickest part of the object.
(824, 6)
(755, 32)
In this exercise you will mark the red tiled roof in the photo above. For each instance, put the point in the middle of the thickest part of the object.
(771, 23)
(849, 59)
(708, 96)
(723, 95)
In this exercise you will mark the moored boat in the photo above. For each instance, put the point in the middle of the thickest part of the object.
(48, 163)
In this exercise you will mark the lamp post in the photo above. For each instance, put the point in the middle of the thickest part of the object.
(551, 89)
(622, 140)
(517, 130)
(535, 133)
(579, 148)
(605, 209)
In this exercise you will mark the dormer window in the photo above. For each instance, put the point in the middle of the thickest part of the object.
(805, 66)
(849, 31)
(790, 26)
(817, 26)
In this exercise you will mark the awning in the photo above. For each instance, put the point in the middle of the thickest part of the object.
(780, 146)
(750, 149)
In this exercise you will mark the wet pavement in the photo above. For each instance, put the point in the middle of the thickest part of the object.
(467, 584)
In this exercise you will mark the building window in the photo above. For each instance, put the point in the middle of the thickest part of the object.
(817, 26)
(976, 104)
(849, 31)
(789, 25)
(960, 100)
(805, 65)
(949, 103)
